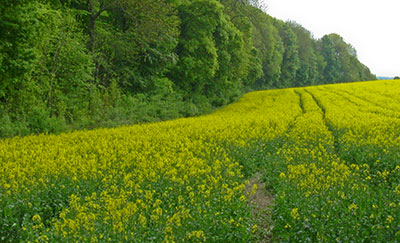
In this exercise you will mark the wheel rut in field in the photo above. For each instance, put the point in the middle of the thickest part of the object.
(378, 106)
(369, 101)
(261, 202)
(331, 130)
(301, 102)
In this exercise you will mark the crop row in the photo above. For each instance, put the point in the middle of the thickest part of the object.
(328, 153)
(341, 177)
(170, 181)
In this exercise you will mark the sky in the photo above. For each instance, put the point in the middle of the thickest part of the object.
(371, 27)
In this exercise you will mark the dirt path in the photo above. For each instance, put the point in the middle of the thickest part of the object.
(262, 202)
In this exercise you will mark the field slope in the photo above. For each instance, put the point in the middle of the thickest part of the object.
(329, 154)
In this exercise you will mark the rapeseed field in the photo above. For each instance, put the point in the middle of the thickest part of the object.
(329, 154)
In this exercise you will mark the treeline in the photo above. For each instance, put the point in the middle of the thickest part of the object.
(73, 64)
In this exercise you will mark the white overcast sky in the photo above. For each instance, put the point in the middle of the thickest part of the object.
(372, 27)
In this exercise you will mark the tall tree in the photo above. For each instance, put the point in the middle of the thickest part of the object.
(197, 51)
(308, 72)
(46, 68)
(251, 68)
(269, 48)
(290, 62)
(342, 62)
(332, 73)
(233, 62)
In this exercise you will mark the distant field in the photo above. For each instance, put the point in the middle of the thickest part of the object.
(329, 154)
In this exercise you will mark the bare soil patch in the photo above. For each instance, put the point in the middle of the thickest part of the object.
(262, 202)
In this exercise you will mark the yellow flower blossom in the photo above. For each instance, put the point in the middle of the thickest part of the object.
(162, 177)
(295, 213)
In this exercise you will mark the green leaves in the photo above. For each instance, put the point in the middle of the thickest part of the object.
(60, 59)
(290, 62)
(342, 64)
(197, 51)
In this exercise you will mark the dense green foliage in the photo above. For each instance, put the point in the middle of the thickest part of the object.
(73, 64)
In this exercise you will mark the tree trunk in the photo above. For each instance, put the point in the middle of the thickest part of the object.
(92, 24)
